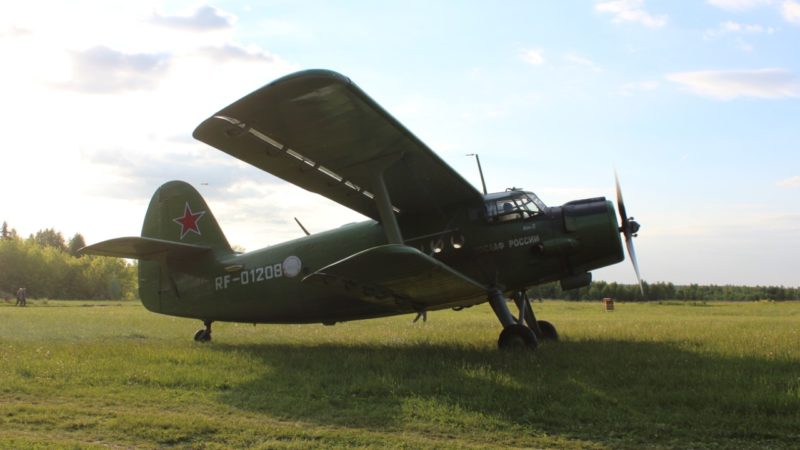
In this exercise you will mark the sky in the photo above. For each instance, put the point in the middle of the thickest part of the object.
(695, 104)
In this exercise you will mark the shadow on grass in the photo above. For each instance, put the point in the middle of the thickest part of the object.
(610, 392)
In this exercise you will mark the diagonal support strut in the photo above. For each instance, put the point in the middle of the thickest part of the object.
(498, 302)
(384, 204)
(526, 312)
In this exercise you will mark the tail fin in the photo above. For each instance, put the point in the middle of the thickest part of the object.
(177, 217)
(178, 213)
(179, 232)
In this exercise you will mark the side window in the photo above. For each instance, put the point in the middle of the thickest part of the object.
(508, 210)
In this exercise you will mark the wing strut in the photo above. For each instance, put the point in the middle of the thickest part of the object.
(382, 200)
(388, 219)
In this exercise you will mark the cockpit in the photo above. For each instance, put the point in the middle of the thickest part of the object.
(512, 205)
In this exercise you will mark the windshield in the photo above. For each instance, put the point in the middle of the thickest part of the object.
(517, 205)
(535, 200)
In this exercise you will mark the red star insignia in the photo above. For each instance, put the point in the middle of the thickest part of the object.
(188, 221)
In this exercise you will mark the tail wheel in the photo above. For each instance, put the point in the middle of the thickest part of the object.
(202, 335)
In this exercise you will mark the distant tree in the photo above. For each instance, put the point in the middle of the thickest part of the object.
(50, 238)
(48, 272)
(665, 291)
(8, 234)
(76, 243)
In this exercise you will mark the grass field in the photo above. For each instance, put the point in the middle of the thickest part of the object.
(672, 375)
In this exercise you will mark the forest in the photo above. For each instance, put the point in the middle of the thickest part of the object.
(49, 267)
(599, 290)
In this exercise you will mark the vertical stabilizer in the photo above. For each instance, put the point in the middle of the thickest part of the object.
(177, 213)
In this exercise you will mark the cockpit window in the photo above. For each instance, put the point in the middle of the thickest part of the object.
(519, 205)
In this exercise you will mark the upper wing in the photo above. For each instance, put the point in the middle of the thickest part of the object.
(318, 130)
(392, 274)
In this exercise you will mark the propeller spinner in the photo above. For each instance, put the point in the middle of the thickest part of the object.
(629, 229)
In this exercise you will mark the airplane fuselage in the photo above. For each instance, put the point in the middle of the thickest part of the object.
(266, 285)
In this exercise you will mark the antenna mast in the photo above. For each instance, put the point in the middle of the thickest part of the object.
(478, 159)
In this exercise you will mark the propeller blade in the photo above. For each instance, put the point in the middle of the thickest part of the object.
(628, 228)
(632, 254)
(620, 203)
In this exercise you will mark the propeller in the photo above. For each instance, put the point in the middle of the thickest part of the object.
(629, 229)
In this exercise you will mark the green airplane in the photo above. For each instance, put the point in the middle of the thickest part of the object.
(434, 241)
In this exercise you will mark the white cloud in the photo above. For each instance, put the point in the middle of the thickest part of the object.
(630, 89)
(204, 18)
(13, 32)
(240, 210)
(793, 182)
(738, 31)
(534, 57)
(233, 52)
(738, 5)
(104, 70)
(579, 60)
(731, 27)
(726, 85)
(112, 150)
(791, 11)
(143, 172)
(630, 11)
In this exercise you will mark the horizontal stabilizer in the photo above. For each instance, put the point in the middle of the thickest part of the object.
(391, 274)
(142, 248)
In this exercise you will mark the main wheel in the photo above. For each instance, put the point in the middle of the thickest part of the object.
(549, 332)
(517, 336)
(202, 335)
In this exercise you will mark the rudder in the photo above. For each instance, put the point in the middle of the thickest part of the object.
(178, 213)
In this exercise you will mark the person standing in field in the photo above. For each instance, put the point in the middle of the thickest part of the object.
(21, 296)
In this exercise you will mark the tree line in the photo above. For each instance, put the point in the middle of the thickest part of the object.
(599, 290)
(49, 267)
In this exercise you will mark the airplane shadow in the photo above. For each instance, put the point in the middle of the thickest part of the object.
(592, 390)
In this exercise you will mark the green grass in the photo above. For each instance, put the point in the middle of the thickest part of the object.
(672, 375)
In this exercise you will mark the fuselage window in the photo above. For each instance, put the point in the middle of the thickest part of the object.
(512, 208)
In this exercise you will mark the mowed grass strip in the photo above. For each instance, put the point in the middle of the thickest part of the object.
(669, 375)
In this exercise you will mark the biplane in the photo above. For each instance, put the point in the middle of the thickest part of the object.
(432, 241)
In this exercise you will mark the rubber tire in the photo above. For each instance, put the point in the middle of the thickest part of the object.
(517, 336)
(202, 336)
(549, 332)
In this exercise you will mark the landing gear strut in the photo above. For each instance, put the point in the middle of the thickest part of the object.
(516, 334)
(204, 334)
(543, 329)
